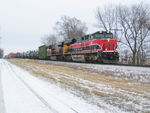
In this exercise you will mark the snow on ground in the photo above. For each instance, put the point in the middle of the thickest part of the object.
(109, 95)
(140, 74)
(2, 107)
(125, 100)
(131, 100)
(25, 93)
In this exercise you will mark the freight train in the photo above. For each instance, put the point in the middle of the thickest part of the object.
(98, 47)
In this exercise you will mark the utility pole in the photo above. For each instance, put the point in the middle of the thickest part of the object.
(115, 32)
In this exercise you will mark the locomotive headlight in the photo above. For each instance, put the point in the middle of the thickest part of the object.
(108, 39)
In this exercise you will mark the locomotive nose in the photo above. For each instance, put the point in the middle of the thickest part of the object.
(109, 45)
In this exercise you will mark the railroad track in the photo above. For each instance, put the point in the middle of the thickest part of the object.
(117, 64)
(128, 65)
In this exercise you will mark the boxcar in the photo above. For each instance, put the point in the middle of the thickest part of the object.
(42, 52)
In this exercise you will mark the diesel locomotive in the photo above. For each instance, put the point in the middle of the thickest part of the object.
(97, 47)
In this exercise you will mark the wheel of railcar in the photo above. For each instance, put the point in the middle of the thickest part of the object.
(99, 60)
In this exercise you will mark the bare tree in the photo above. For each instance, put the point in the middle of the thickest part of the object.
(49, 39)
(107, 18)
(70, 28)
(134, 21)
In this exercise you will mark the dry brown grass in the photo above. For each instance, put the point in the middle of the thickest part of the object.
(31, 65)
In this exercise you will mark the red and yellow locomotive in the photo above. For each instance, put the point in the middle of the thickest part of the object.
(97, 47)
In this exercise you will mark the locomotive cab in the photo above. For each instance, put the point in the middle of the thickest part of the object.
(109, 53)
(108, 44)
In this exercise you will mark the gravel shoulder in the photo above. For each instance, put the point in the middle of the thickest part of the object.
(117, 89)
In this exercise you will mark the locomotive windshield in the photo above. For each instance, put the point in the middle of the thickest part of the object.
(103, 36)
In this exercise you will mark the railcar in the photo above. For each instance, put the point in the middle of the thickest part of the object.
(42, 52)
(54, 52)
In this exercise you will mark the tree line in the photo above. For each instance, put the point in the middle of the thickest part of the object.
(66, 28)
(130, 25)
(1, 51)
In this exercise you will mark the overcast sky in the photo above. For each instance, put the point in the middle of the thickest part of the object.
(24, 22)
